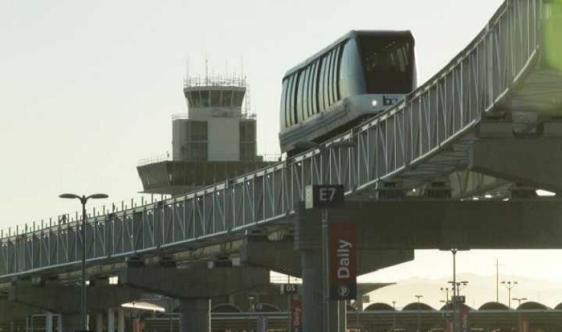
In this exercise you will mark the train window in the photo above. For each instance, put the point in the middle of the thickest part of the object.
(323, 84)
(387, 63)
(282, 107)
(334, 82)
(310, 94)
(337, 72)
(300, 94)
(312, 91)
(295, 95)
(302, 97)
(332, 77)
(294, 99)
(306, 93)
(290, 100)
(319, 85)
(329, 80)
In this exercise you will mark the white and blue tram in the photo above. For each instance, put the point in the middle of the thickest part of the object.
(362, 73)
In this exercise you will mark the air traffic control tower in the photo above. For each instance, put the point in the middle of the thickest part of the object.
(215, 140)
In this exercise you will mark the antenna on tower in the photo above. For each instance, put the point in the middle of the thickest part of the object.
(206, 70)
(242, 75)
(247, 101)
(186, 69)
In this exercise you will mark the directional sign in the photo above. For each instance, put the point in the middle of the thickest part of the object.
(343, 261)
(323, 197)
(289, 289)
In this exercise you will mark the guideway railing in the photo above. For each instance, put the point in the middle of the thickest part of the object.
(403, 138)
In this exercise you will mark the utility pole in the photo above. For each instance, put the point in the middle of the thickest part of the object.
(419, 312)
(497, 280)
(509, 284)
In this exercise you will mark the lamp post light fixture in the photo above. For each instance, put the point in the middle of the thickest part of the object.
(446, 290)
(509, 284)
(83, 304)
(519, 300)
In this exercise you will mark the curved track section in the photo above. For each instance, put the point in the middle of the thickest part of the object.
(425, 136)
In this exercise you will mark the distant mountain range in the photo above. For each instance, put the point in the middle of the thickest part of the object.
(480, 289)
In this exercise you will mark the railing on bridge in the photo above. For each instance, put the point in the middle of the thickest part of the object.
(423, 136)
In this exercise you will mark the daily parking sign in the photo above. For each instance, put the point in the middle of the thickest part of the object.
(343, 261)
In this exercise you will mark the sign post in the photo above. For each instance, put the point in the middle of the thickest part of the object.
(296, 315)
(325, 197)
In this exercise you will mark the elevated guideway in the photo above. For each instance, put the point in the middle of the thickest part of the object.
(510, 75)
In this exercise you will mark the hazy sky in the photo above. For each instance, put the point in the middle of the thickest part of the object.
(88, 88)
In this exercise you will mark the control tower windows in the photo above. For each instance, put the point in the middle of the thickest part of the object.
(193, 98)
(227, 98)
(198, 130)
(205, 102)
(248, 140)
(237, 98)
(198, 140)
(216, 99)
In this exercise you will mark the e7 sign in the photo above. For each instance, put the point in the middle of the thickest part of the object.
(324, 196)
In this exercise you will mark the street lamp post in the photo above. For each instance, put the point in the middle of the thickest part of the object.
(456, 295)
(394, 316)
(446, 290)
(509, 284)
(419, 313)
(83, 199)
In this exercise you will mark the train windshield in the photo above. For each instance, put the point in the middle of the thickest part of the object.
(388, 63)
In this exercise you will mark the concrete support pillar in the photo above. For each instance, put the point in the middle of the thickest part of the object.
(59, 323)
(99, 322)
(110, 320)
(12, 326)
(195, 315)
(312, 289)
(71, 323)
(120, 320)
(48, 322)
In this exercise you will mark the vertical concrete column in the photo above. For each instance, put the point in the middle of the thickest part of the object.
(99, 322)
(71, 323)
(12, 326)
(311, 261)
(110, 320)
(121, 320)
(195, 315)
(59, 323)
(48, 322)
